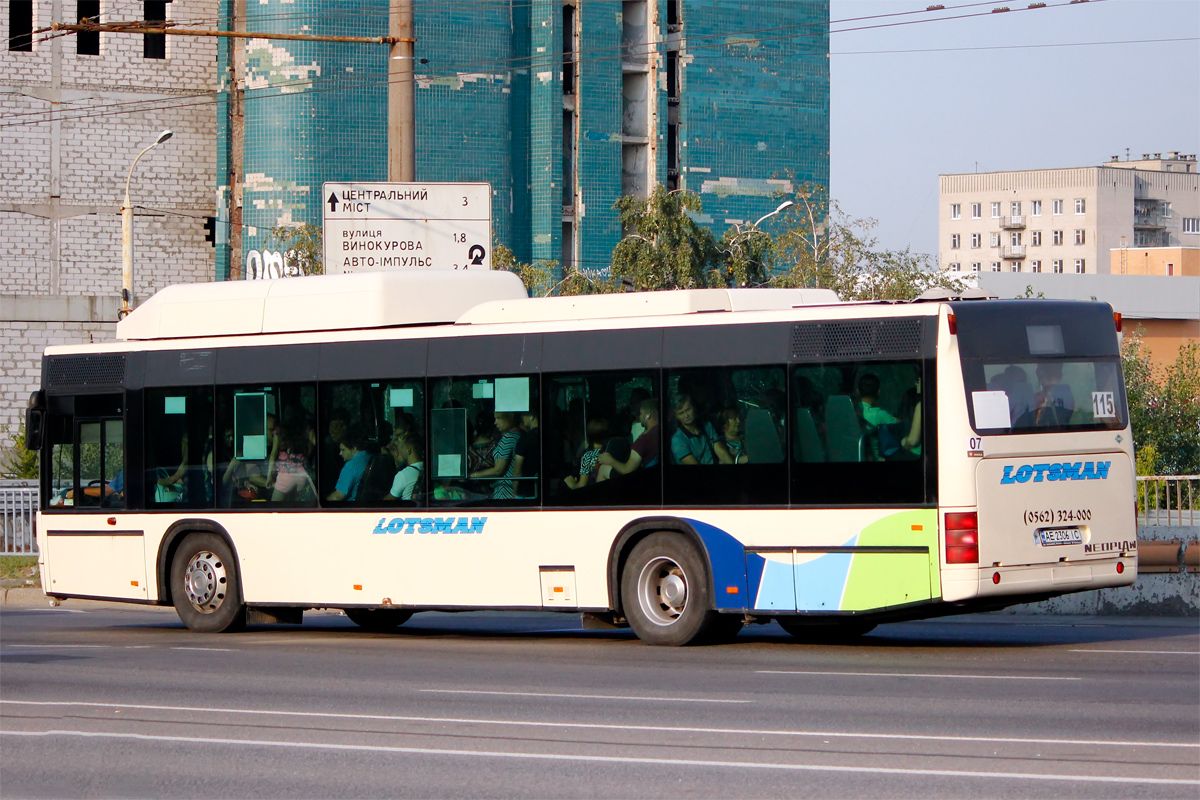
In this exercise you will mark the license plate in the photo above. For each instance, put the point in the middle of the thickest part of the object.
(1055, 536)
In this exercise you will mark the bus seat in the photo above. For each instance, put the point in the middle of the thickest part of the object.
(843, 430)
(808, 442)
(762, 440)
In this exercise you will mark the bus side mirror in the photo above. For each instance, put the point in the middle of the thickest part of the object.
(35, 421)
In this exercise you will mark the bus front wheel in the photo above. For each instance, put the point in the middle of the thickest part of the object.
(377, 619)
(665, 593)
(205, 586)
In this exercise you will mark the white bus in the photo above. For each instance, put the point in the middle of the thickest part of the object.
(680, 462)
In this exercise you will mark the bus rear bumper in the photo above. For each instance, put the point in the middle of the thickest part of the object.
(1038, 579)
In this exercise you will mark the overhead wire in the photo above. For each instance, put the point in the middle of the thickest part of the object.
(593, 55)
(532, 61)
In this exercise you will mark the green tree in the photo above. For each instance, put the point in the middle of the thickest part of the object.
(537, 278)
(664, 247)
(1179, 443)
(15, 460)
(745, 255)
(301, 246)
(823, 247)
(1164, 410)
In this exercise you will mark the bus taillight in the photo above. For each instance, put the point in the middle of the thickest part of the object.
(962, 537)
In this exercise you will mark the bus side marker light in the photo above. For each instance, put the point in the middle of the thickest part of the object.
(133, 583)
(731, 590)
(112, 520)
(953, 324)
(918, 527)
(358, 587)
(1120, 567)
(1117, 320)
(995, 577)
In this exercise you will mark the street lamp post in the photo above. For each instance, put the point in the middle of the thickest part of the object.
(127, 298)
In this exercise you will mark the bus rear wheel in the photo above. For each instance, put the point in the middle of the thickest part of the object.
(825, 633)
(205, 586)
(665, 593)
(377, 619)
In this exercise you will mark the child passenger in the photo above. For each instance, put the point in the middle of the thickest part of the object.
(730, 448)
(589, 462)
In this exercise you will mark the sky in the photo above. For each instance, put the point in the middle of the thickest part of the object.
(898, 120)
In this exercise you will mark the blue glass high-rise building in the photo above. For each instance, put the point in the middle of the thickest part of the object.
(563, 106)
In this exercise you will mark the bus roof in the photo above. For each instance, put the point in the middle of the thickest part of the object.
(316, 303)
(394, 299)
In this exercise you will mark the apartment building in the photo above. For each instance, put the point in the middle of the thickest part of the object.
(1068, 221)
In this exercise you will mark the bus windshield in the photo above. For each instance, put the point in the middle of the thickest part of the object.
(1040, 367)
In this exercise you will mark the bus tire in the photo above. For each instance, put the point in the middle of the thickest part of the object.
(836, 633)
(205, 585)
(379, 620)
(665, 593)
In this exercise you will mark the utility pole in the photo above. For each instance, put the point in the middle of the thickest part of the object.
(401, 120)
(237, 138)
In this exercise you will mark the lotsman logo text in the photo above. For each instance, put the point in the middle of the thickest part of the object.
(431, 525)
(1079, 471)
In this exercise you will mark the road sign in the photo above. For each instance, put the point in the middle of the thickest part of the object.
(373, 227)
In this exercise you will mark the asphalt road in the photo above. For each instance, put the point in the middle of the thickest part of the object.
(123, 701)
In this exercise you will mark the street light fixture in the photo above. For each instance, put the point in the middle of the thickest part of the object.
(782, 206)
(127, 298)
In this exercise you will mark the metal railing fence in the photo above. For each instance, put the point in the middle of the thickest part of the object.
(18, 509)
(1168, 499)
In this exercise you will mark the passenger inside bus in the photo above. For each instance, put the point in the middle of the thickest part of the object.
(501, 471)
(1055, 403)
(589, 462)
(356, 459)
(692, 442)
(644, 451)
(330, 458)
(527, 456)
(881, 437)
(730, 448)
(407, 449)
(289, 466)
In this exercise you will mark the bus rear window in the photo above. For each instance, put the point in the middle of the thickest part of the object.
(1032, 396)
(1040, 366)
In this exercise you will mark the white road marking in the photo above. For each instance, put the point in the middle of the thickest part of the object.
(1143, 652)
(59, 610)
(681, 762)
(915, 675)
(64, 646)
(207, 649)
(601, 725)
(586, 696)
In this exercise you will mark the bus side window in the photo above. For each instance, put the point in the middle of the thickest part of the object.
(179, 447)
(485, 446)
(727, 436)
(859, 432)
(87, 451)
(592, 422)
